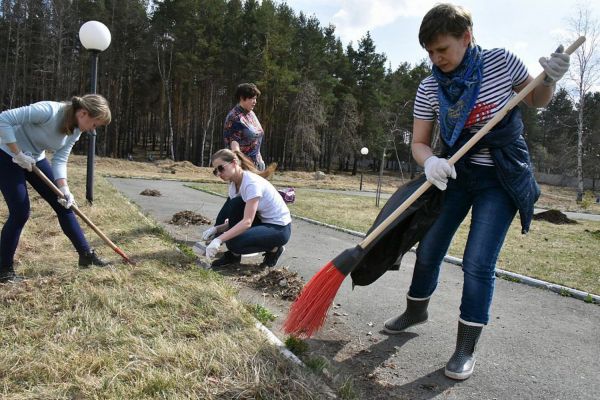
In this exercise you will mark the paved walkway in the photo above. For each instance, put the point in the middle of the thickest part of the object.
(538, 344)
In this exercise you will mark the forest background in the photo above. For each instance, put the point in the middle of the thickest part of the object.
(172, 68)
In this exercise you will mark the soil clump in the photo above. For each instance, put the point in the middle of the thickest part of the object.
(554, 217)
(151, 192)
(184, 218)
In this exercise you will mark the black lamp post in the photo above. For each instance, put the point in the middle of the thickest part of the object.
(95, 37)
(364, 151)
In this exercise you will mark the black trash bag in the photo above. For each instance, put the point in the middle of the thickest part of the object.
(386, 251)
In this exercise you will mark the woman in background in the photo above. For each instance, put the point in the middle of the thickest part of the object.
(242, 130)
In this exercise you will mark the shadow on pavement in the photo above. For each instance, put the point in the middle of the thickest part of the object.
(373, 367)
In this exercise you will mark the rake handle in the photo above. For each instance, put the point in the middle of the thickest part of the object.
(79, 213)
(465, 148)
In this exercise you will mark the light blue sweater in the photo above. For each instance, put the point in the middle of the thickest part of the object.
(37, 128)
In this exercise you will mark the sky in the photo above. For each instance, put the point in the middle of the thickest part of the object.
(529, 28)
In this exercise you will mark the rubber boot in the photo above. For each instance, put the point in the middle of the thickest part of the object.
(461, 364)
(91, 259)
(416, 313)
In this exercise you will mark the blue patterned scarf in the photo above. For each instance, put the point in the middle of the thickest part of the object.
(457, 92)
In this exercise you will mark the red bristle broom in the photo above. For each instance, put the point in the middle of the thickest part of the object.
(308, 312)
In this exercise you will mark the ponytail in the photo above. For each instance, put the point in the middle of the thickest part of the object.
(94, 104)
(244, 162)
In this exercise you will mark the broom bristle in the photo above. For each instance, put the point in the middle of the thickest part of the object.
(308, 312)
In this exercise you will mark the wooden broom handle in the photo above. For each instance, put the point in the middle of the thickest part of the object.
(465, 148)
(77, 211)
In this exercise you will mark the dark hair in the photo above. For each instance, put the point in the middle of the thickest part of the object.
(244, 162)
(445, 19)
(246, 91)
(94, 104)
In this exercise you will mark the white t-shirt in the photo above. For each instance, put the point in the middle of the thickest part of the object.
(271, 207)
(502, 71)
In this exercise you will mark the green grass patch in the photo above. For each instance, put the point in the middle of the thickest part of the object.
(347, 391)
(262, 314)
(297, 346)
(588, 298)
(317, 364)
(510, 278)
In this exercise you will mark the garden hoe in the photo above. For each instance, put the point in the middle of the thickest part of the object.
(81, 215)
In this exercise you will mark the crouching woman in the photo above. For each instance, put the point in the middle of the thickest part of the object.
(256, 219)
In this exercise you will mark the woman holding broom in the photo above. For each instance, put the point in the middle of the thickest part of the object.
(494, 180)
(256, 217)
(25, 134)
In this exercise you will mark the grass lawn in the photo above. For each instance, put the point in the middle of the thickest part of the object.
(160, 329)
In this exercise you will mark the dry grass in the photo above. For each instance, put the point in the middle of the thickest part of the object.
(552, 196)
(562, 254)
(160, 329)
(186, 171)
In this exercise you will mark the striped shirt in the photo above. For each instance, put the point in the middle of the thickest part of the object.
(502, 71)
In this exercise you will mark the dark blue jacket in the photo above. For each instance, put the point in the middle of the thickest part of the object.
(513, 165)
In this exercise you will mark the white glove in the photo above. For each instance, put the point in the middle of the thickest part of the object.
(556, 66)
(209, 234)
(213, 248)
(437, 171)
(68, 200)
(24, 161)
(199, 249)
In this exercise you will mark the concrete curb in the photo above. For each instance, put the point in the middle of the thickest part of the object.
(279, 344)
(512, 276)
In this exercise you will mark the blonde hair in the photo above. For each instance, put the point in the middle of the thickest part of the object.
(244, 162)
(96, 106)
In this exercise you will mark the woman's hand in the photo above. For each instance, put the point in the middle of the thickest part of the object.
(24, 161)
(209, 234)
(556, 66)
(213, 248)
(438, 170)
(68, 199)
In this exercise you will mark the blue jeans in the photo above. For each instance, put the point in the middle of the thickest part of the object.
(259, 237)
(14, 190)
(477, 188)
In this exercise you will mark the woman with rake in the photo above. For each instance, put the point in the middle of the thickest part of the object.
(256, 217)
(25, 135)
(493, 180)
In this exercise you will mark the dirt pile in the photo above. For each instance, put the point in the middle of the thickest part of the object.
(151, 192)
(554, 217)
(278, 282)
(595, 234)
(184, 218)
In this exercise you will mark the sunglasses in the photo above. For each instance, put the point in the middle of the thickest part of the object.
(219, 169)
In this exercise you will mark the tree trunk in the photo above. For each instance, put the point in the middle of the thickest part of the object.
(580, 148)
